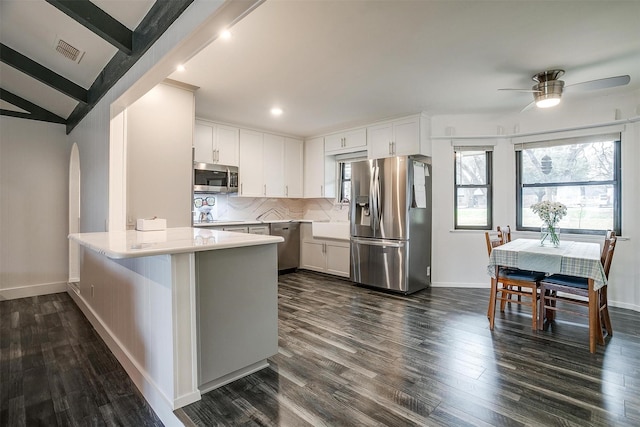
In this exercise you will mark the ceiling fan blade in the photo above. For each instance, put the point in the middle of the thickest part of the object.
(528, 106)
(521, 90)
(600, 83)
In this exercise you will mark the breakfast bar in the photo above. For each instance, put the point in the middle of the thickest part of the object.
(184, 310)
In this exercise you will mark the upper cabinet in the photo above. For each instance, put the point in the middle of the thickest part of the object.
(251, 167)
(316, 167)
(270, 165)
(345, 142)
(293, 161)
(216, 143)
(402, 137)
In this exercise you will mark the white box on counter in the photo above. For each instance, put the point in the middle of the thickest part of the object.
(151, 224)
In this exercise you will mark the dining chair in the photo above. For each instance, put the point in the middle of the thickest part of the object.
(575, 290)
(506, 238)
(512, 281)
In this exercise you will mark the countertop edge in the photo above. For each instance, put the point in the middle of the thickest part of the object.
(153, 248)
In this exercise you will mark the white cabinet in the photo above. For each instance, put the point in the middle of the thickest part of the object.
(408, 136)
(324, 255)
(216, 143)
(270, 165)
(273, 167)
(348, 141)
(293, 174)
(319, 170)
(251, 178)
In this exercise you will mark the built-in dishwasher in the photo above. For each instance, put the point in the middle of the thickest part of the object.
(289, 250)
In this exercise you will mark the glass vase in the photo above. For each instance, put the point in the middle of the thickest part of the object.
(549, 236)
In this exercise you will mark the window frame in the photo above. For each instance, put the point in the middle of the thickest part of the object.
(488, 186)
(341, 181)
(616, 182)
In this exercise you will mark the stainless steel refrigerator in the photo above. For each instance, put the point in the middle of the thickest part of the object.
(390, 217)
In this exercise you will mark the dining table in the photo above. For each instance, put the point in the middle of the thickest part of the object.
(581, 259)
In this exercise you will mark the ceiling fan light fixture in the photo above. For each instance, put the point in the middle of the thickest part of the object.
(548, 102)
(548, 93)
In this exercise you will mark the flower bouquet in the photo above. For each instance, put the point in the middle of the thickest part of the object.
(550, 213)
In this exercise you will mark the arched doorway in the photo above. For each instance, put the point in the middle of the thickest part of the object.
(74, 214)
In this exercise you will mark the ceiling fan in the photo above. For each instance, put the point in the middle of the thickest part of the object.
(548, 90)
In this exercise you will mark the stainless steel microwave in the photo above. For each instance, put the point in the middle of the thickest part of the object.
(210, 178)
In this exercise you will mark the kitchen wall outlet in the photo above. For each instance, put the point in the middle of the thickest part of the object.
(429, 271)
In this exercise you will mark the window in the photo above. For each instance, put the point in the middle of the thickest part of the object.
(345, 182)
(582, 173)
(473, 197)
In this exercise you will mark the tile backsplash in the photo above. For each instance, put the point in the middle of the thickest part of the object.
(227, 207)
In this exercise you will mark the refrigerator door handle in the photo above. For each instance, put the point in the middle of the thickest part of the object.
(378, 242)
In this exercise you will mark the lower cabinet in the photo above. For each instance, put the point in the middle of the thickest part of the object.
(324, 255)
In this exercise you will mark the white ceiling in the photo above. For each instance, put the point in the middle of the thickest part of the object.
(331, 64)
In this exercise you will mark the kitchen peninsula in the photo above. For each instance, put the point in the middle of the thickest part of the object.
(184, 310)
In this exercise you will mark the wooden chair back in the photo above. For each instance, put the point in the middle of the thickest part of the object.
(605, 246)
(494, 238)
(610, 249)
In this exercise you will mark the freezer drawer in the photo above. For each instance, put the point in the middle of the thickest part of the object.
(380, 263)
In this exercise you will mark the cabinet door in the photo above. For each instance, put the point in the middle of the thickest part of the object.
(273, 169)
(227, 145)
(356, 139)
(337, 257)
(314, 168)
(406, 137)
(293, 168)
(251, 164)
(334, 142)
(380, 138)
(312, 256)
(203, 143)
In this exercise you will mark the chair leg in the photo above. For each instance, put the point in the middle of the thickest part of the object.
(541, 308)
(594, 315)
(604, 304)
(503, 297)
(492, 302)
(534, 304)
(519, 296)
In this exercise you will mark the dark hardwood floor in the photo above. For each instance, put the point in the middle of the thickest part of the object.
(55, 370)
(347, 356)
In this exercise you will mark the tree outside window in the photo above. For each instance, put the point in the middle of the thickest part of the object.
(472, 188)
(583, 174)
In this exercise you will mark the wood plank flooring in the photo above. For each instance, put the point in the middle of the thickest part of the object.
(55, 370)
(348, 356)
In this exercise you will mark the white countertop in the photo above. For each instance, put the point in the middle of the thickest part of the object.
(131, 243)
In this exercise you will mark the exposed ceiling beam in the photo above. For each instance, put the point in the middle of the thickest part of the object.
(154, 24)
(34, 112)
(98, 21)
(43, 74)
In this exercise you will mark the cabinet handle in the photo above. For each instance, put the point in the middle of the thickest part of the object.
(286, 190)
(217, 155)
(265, 189)
(241, 192)
(321, 190)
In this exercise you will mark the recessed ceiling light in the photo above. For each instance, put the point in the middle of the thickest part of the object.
(180, 68)
(275, 111)
(226, 34)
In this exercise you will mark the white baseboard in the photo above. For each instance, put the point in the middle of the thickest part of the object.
(32, 290)
(153, 395)
(619, 304)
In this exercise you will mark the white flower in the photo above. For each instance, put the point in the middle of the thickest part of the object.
(550, 212)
